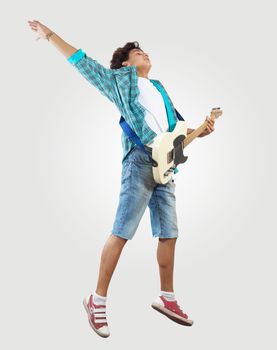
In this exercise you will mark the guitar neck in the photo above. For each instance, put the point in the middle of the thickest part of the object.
(194, 134)
(215, 113)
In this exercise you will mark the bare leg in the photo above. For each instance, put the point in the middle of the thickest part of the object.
(109, 258)
(165, 257)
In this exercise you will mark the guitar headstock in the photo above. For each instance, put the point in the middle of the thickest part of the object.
(215, 113)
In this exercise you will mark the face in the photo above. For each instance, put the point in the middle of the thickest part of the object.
(138, 58)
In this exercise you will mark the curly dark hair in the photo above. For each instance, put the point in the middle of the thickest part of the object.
(121, 54)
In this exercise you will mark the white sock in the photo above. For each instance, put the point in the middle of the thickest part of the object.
(170, 296)
(99, 299)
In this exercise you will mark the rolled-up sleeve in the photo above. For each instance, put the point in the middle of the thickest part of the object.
(99, 76)
(76, 56)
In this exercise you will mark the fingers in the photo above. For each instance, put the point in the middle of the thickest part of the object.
(33, 24)
(210, 127)
(210, 124)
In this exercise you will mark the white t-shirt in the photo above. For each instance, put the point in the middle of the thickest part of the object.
(155, 110)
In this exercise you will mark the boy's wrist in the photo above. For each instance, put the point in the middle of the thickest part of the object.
(49, 35)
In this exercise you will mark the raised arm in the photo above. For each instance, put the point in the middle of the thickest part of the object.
(97, 75)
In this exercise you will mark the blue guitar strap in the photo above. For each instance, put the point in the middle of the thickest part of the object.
(134, 137)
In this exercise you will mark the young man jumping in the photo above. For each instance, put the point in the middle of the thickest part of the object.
(148, 110)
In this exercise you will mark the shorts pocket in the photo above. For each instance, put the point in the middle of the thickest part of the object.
(141, 158)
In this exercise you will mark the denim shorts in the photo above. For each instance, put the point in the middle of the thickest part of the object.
(139, 190)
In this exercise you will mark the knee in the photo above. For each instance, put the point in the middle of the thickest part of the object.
(118, 240)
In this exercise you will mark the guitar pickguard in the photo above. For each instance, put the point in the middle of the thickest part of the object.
(178, 150)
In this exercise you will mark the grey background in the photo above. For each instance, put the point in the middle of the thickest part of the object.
(59, 197)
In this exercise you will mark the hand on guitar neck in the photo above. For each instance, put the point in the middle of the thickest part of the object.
(209, 127)
(205, 129)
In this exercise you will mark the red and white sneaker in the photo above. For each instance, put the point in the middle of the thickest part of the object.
(172, 310)
(96, 316)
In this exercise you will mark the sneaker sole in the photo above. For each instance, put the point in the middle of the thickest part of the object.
(91, 324)
(172, 315)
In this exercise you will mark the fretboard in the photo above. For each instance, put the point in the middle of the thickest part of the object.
(194, 134)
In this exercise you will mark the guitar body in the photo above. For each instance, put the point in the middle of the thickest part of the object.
(167, 151)
(167, 148)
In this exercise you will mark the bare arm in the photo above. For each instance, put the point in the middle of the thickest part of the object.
(89, 68)
(42, 31)
(66, 49)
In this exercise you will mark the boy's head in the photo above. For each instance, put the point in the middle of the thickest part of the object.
(130, 54)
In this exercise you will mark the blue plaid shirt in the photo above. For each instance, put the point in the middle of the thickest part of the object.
(120, 87)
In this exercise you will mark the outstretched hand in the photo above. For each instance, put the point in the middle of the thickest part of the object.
(41, 29)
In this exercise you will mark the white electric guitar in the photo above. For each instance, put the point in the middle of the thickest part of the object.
(167, 147)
